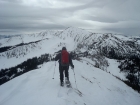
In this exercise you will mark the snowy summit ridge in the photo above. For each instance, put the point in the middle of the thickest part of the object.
(27, 66)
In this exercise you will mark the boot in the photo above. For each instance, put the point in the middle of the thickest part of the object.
(68, 84)
(62, 83)
(66, 80)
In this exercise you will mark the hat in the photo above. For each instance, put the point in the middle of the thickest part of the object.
(64, 48)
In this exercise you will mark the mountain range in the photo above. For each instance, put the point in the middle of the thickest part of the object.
(108, 63)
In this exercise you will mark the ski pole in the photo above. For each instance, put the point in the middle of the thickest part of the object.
(54, 71)
(80, 93)
(75, 78)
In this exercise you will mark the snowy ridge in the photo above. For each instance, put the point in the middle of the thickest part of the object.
(21, 50)
(76, 39)
(93, 68)
(38, 87)
(111, 46)
(27, 38)
(29, 50)
(106, 44)
(77, 34)
(103, 43)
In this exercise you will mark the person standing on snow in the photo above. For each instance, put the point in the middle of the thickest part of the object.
(64, 62)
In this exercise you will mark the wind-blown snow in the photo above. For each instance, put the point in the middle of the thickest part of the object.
(38, 88)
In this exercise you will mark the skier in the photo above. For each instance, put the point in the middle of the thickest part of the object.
(64, 62)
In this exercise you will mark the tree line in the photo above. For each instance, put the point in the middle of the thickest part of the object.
(131, 66)
(28, 65)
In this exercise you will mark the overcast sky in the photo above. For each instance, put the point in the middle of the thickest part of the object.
(25, 16)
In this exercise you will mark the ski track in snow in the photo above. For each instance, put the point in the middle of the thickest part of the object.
(38, 88)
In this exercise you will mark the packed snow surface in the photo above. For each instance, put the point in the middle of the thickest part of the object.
(38, 88)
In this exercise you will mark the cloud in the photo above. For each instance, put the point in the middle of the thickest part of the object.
(100, 19)
(32, 15)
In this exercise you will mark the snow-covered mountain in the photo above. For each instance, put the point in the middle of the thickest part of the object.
(109, 45)
(99, 58)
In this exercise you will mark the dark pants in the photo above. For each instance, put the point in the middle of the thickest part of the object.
(63, 69)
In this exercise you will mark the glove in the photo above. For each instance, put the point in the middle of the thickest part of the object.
(72, 66)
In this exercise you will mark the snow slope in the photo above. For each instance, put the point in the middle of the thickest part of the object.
(113, 69)
(98, 87)
(24, 52)
(48, 43)
(73, 38)
(38, 88)
(26, 38)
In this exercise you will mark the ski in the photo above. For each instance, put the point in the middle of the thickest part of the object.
(67, 82)
(76, 90)
(68, 85)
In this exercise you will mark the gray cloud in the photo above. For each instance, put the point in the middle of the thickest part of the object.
(120, 16)
(126, 31)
